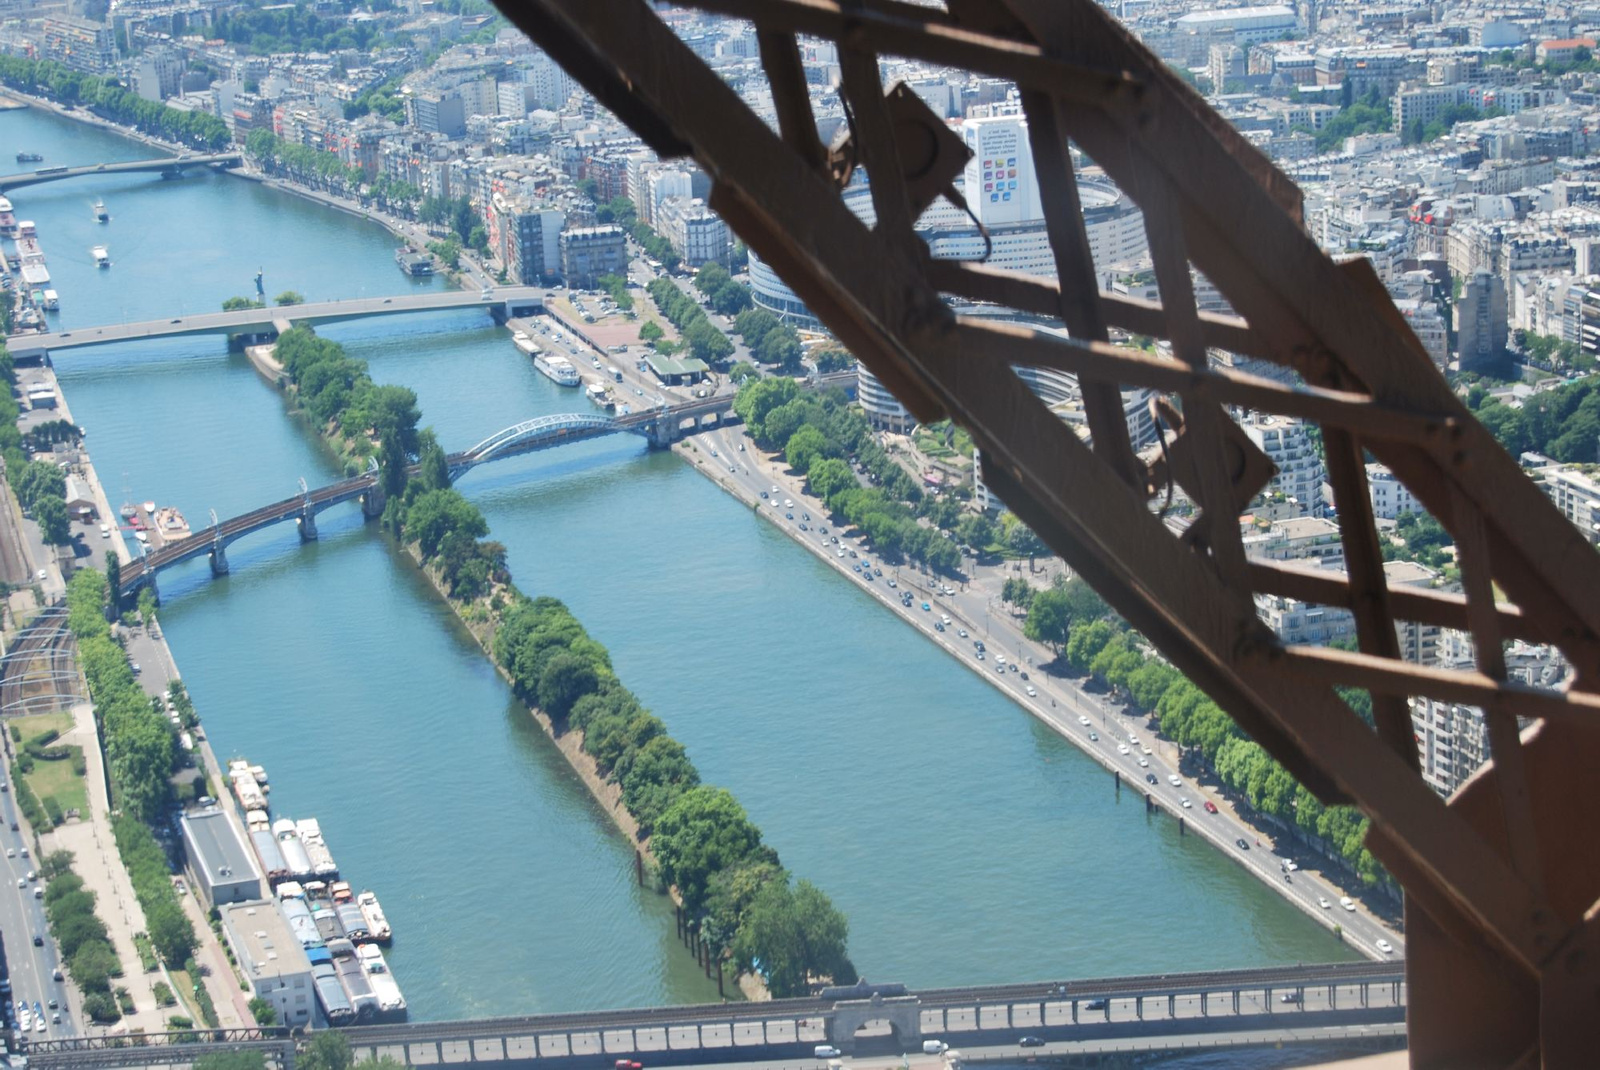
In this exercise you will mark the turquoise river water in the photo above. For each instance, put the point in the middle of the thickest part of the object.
(966, 842)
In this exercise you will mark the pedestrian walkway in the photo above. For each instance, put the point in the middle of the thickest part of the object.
(95, 859)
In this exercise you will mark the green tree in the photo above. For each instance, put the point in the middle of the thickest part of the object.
(99, 1006)
(566, 678)
(113, 578)
(55, 524)
(263, 1011)
(290, 297)
(327, 1049)
(236, 304)
(805, 447)
(650, 332)
(702, 833)
(1049, 619)
(147, 605)
(795, 934)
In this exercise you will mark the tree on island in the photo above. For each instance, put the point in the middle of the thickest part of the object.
(237, 304)
(290, 297)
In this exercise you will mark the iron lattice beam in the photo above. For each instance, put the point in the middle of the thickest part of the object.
(1506, 877)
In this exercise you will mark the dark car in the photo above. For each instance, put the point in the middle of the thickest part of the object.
(38, 941)
(1289, 997)
(13, 826)
(1030, 1042)
(1242, 844)
(1150, 778)
(1095, 1005)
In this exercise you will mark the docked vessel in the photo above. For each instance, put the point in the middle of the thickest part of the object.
(26, 228)
(29, 157)
(322, 864)
(294, 853)
(8, 219)
(246, 790)
(522, 341)
(49, 299)
(353, 976)
(173, 526)
(351, 919)
(557, 369)
(330, 993)
(377, 923)
(100, 213)
(101, 257)
(267, 853)
(391, 1004)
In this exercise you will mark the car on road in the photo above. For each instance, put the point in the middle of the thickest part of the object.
(1175, 780)
(1150, 778)
(627, 1064)
(936, 625)
(53, 1004)
(1322, 901)
(1290, 866)
(1211, 807)
(177, 321)
(962, 632)
(774, 490)
(1144, 763)
(42, 574)
(21, 883)
(11, 852)
(1145, 750)
(926, 608)
(1348, 903)
(804, 528)
(1031, 692)
(1242, 843)
(826, 1051)
(788, 516)
(1095, 1005)
(1122, 748)
(839, 554)
(1083, 720)
(892, 583)
(1385, 946)
(1094, 737)
(807, 516)
(763, 494)
(1030, 1042)
(1185, 803)
(1133, 738)
(1289, 997)
(38, 941)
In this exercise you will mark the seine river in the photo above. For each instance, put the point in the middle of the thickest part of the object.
(965, 842)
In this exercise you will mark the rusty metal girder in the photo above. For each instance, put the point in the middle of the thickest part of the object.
(1503, 882)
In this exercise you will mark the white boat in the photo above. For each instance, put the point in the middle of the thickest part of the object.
(101, 257)
(384, 986)
(51, 300)
(100, 213)
(558, 369)
(149, 508)
(377, 923)
(521, 340)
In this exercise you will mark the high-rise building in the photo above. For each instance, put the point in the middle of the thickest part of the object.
(697, 233)
(1481, 322)
(527, 238)
(1287, 445)
(80, 44)
(999, 184)
(437, 113)
(159, 74)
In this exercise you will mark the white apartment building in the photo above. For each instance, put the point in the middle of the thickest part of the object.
(1287, 445)
(271, 959)
(1574, 492)
(1390, 497)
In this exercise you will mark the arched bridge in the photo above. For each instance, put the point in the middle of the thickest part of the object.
(661, 426)
(174, 166)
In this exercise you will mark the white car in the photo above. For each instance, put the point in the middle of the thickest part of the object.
(1322, 901)
(774, 489)
(1175, 780)
(1122, 748)
(787, 504)
(42, 574)
(1031, 692)
(1144, 763)
(1385, 946)
(1290, 866)
(1146, 750)
(1185, 803)
(1133, 737)
(1083, 721)
(1348, 903)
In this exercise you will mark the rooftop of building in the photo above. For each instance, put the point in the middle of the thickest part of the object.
(263, 940)
(220, 849)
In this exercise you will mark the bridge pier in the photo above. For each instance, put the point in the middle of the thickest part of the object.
(373, 501)
(219, 560)
(307, 525)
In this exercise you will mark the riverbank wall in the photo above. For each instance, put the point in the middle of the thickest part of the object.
(1057, 720)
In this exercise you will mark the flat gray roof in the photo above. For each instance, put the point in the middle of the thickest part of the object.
(222, 854)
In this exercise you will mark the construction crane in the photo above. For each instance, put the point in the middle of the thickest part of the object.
(1502, 880)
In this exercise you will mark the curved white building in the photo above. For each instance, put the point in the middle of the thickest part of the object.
(1115, 227)
(882, 408)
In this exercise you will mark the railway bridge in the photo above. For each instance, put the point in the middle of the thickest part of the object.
(1215, 1009)
(660, 426)
(173, 166)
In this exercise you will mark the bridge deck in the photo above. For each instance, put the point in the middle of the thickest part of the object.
(173, 163)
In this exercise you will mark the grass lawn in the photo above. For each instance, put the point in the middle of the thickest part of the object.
(54, 778)
(71, 791)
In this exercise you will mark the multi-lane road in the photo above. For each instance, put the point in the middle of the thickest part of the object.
(978, 611)
(22, 920)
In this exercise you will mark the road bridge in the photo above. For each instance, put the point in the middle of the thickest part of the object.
(501, 304)
(174, 166)
(1361, 998)
(660, 426)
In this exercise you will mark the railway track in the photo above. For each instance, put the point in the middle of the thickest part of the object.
(39, 674)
